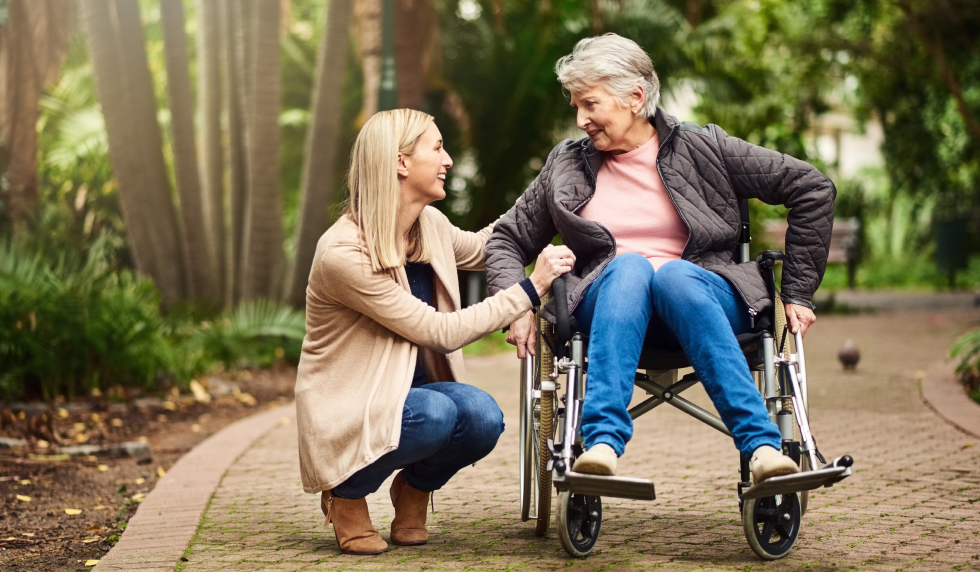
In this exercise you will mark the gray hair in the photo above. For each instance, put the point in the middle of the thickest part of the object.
(614, 62)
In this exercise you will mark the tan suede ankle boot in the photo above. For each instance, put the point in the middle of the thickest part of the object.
(411, 505)
(352, 525)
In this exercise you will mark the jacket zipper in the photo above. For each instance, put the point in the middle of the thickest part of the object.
(752, 311)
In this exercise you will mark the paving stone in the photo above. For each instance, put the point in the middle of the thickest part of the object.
(912, 503)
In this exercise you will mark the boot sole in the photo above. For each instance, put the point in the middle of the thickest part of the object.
(415, 543)
(599, 469)
(352, 553)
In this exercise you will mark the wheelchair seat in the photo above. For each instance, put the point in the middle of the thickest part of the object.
(661, 359)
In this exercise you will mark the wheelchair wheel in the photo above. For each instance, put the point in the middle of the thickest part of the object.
(772, 524)
(578, 520)
(546, 414)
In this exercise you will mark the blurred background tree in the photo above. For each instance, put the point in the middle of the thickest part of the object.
(202, 144)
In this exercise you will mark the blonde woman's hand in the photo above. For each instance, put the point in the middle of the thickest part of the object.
(552, 263)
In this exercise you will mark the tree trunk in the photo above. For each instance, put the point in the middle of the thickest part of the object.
(367, 17)
(21, 88)
(262, 258)
(200, 280)
(122, 76)
(233, 78)
(322, 142)
(32, 46)
(209, 46)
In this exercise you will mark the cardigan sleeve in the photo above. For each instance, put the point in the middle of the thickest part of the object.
(342, 277)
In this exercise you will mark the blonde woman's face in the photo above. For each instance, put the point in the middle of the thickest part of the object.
(423, 173)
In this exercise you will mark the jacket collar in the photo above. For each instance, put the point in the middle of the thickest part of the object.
(663, 123)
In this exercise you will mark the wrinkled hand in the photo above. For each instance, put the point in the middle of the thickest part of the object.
(524, 334)
(552, 263)
(799, 318)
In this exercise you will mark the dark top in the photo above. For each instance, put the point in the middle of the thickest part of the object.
(423, 288)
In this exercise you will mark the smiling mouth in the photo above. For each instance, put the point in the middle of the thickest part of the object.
(441, 176)
(592, 134)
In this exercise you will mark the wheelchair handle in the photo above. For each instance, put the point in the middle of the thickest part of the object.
(563, 326)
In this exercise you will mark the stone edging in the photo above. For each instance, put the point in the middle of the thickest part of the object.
(948, 398)
(167, 520)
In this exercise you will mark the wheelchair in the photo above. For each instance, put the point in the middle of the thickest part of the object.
(550, 439)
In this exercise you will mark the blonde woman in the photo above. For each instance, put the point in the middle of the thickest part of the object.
(379, 387)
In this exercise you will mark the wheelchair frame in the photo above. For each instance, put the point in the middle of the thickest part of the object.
(771, 510)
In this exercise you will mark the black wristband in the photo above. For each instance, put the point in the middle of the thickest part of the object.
(531, 292)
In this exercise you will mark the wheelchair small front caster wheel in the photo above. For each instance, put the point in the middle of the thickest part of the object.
(772, 524)
(578, 520)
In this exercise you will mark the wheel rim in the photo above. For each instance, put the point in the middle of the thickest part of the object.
(776, 523)
(584, 517)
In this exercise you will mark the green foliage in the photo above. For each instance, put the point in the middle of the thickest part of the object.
(967, 348)
(72, 321)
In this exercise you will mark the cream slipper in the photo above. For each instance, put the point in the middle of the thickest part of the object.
(768, 462)
(599, 460)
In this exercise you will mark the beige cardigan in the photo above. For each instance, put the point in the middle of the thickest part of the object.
(363, 334)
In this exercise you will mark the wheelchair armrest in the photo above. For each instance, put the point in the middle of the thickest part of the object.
(768, 258)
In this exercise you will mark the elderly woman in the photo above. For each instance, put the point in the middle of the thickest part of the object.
(379, 383)
(650, 206)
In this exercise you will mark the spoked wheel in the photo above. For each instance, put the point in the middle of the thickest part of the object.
(578, 521)
(772, 524)
(545, 413)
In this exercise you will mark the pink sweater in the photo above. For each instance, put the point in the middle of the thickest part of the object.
(632, 202)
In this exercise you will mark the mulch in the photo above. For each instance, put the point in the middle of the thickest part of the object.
(61, 513)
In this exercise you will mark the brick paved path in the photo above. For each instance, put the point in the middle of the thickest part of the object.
(912, 504)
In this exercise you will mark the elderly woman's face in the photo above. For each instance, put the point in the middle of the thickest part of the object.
(603, 119)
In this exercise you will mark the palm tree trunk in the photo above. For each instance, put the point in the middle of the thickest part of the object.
(21, 88)
(122, 76)
(262, 257)
(367, 18)
(209, 46)
(233, 78)
(414, 23)
(322, 142)
(200, 278)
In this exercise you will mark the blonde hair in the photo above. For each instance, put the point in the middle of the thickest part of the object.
(375, 196)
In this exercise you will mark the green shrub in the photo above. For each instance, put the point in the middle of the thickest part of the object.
(967, 348)
(73, 322)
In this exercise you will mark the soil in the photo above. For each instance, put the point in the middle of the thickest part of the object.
(41, 490)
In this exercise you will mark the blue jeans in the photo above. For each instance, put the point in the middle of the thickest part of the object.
(679, 306)
(445, 426)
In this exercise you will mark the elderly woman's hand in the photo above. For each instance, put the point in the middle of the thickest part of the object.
(524, 334)
(799, 318)
(552, 263)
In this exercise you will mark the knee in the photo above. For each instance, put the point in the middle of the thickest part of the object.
(481, 418)
(631, 266)
(674, 279)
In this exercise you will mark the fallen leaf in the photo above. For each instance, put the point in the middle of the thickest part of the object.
(25, 482)
(91, 458)
(142, 439)
(51, 458)
(42, 444)
(9, 538)
(90, 540)
(79, 426)
(117, 422)
(246, 398)
(138, 497)
(103, 467)
(200, 394)
(73, 511)
(140, 481)
(161, 472)
(28, 534)
(62, 412)
(24, 498)
(162, 418)
(91, 562)
(967, 446)
(170, 406)
(195, 428)
(81, 437)
(96, 392)
(100, 507)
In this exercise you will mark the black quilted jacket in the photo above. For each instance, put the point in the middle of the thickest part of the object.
(706, 173)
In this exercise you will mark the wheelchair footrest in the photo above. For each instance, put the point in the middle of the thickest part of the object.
(804, 481)
(619, 487)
